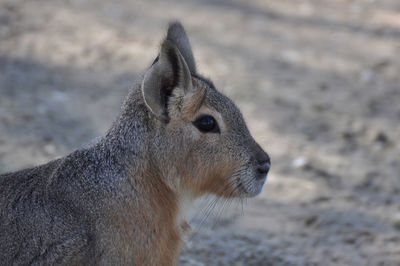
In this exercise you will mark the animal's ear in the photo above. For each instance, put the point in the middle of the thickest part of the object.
(168, 71)
(177, 35)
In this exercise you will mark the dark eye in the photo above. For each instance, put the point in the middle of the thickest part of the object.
(206, 124)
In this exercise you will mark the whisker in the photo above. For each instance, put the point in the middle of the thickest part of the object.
(216, 206)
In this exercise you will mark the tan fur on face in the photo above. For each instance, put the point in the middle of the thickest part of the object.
(194, 162)
(121, 200)
(184, 106)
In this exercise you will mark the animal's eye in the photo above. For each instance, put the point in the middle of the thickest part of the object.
(206, 124)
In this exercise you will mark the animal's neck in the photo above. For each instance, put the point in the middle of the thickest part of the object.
(128, 141)
(185, 201)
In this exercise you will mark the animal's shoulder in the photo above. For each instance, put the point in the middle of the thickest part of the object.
(29, 176)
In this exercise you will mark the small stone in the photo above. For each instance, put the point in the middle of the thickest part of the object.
(396, 221)
(350, 240)
(348, 135)
(382, 138)
(300, 162)
(381, 64)
(49, 149)
(310, 220)
(321, 199)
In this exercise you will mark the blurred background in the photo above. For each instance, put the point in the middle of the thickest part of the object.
(318, 82)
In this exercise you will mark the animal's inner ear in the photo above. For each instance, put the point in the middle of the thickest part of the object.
(170, 71)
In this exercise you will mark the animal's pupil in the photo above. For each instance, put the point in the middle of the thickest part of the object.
(206, 124)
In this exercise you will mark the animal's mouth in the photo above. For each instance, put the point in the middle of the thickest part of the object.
(250, 186)
(246, 182)
(241, 188)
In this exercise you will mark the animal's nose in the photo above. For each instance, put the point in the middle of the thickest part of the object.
(263, 162)
(263, 169)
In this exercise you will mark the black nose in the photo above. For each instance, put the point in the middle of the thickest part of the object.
(263, 168)
(263, 162)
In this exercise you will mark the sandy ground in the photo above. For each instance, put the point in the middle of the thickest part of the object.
(318, 82)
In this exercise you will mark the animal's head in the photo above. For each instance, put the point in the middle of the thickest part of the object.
(201, 142)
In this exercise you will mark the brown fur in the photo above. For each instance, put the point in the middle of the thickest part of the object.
(121, 201)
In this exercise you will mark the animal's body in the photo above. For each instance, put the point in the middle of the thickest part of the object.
(120, 200)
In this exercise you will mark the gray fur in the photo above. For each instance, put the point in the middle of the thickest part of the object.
(176, 33)
(163, 76)
(96, 205)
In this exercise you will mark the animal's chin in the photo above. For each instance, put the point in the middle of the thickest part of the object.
(245, 187)
(250, 187)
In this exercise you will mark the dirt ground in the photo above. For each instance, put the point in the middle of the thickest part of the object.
(318, 82)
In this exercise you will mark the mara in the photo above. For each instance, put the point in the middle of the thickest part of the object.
(120, 200)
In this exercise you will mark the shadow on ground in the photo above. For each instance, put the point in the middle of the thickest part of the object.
(317, 82)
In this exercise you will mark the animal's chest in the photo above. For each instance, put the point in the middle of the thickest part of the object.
(141, 236)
